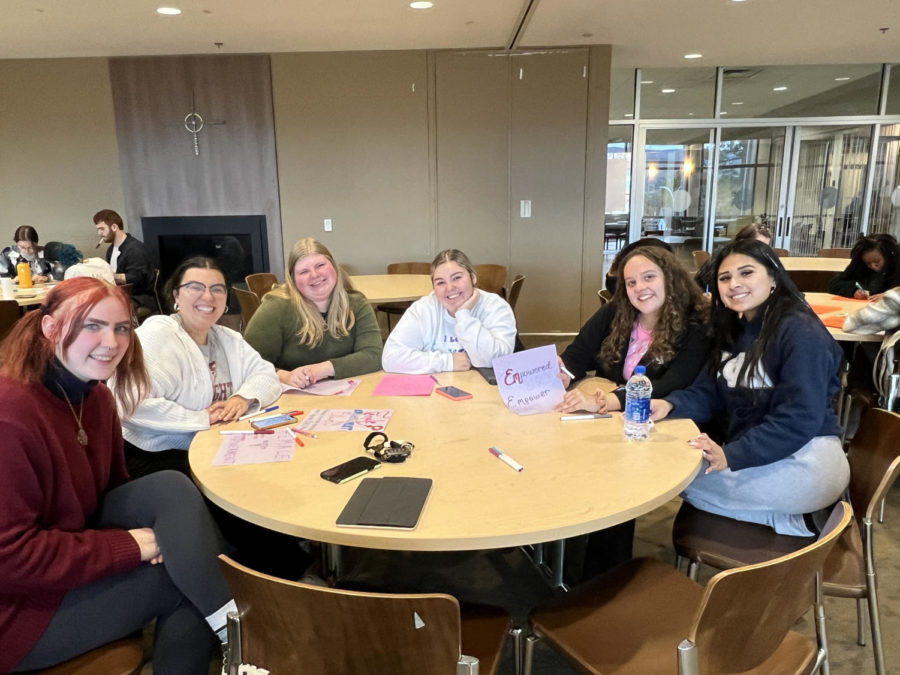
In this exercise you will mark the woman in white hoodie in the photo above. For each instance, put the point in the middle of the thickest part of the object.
(455, 327)
(201, 373)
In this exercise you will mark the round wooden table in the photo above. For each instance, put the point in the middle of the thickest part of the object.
(579, 476)
(380, 288)
(812, 264)
(838, 308)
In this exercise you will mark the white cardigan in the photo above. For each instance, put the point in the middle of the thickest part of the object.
(425, 338)
(181, 386)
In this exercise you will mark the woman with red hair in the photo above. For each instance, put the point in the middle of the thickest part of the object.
(87, 557)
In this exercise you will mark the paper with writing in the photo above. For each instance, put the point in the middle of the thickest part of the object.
(345, 420)
(255, 449)
(325, 388)
(529, 381)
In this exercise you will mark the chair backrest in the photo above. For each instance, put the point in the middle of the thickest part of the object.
(747, 611)
(491, 278)
(604, 296)
(159, 305)
(291, 627)
(874, 458)
(249, 303)
(782, 252)
(512, 296)
(9, 314)
(409, 268)
(261, 283)
(700, 257)
(833, 253)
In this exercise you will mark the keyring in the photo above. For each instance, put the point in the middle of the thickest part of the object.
(386, 450)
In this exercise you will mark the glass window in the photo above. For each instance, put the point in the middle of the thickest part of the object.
(800, 91)
(677, 93)
(893, 99)
(885, 212)
(618, 186)
(621, 94)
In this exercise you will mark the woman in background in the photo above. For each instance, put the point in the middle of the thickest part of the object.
(25, 249)
(315, 325)
(874, 268)
(773, 375)
(87, 557)
(753, 232)
(455, 327)
(201, 373)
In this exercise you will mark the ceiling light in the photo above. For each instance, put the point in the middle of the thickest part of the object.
(421, 4)
(688, 167)
(841, 79)
(629, 114)
(652, 170)
(646, 81)
(737, 103)
(779, 88)
(168, 11)
(693, 56)
(667, 91)
(723, 112)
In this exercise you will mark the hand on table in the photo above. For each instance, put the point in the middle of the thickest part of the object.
(302, 377)
(146, 541)
(461, 361)
(712, 453)
(228, 410)
(659, 409)
(861, 294)
(39, 278)
(877, 296)
(598, 402)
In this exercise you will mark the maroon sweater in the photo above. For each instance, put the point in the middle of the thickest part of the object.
(50, 487)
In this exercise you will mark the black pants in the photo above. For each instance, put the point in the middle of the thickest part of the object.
(178, 593)
(256, 547)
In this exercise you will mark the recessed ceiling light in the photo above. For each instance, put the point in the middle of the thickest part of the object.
(629, 114)
(690, 114)
(739, 1)
(421, 4)
(168, 11)
(646, 81)
(667, 91)
(841, 79)
(737, 103)
(779, 88)
(693, 55)
(723, 112)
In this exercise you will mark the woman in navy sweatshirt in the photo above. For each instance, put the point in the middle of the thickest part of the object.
(773, 375)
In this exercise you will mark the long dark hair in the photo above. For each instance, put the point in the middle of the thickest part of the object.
(885, 244)
(785, 300)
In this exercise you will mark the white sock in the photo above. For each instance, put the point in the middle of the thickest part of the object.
(218, 619)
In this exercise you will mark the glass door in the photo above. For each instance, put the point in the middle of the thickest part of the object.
(828, 180)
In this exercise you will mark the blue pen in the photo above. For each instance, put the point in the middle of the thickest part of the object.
(258, 412)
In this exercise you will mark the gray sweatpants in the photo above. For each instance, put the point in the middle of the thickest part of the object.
(776, 494)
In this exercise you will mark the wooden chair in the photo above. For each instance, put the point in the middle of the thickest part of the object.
(604, 296)
(491, 278)
(249, 303)
(645, 617)
(9, 314)
(782, 252)
(512, 295)
(261, 283)
(833, 253)
(849, 571)
(292, 627)
(397, 308)
(123, 657)
(700, 257)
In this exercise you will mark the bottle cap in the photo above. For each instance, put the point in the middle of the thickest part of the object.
(640, 370)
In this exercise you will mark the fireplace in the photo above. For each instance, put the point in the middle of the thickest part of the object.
(238, 243)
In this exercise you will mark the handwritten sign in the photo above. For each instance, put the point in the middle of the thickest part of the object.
(529, 381)
(255, 449)
(325, 388)
(346, 420)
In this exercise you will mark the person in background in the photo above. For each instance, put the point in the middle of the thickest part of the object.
(91, 267)
(753, 232)
(201, 373)
(129, 260)
(656, 318)
(773, 375)
(874, 268)
(25, 249)
(61, 257)
(613, 271)
(455, 327)
(315, 325)
(87, 556)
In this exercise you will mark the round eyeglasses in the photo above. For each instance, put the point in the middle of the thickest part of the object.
(196, 288)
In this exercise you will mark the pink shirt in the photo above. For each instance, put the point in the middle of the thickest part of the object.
(638, 345)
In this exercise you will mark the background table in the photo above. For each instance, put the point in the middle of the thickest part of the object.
(807, 264)
(579, 476)
(845, 306)
(380, 288)
(38, 298)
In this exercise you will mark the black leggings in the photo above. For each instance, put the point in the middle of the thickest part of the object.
(178, 593)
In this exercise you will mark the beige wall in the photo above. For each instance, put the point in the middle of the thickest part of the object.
(59, 162)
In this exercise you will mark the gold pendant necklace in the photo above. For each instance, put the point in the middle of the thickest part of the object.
(82, 434)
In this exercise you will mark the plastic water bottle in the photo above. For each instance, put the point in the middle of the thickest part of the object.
(638, 392)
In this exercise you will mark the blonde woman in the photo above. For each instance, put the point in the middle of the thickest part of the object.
(315, 325)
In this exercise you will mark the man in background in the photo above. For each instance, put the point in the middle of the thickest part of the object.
(127, 258)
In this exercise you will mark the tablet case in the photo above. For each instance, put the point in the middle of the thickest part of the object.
(392, 502)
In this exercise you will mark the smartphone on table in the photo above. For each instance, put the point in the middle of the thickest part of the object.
(272, 422)
(350, 469)
(453, 393)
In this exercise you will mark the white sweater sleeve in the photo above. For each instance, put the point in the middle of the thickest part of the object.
(408, 347)
(253, 377)
(488, 330)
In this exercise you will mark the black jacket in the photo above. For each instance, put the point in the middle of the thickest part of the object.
(138, 268)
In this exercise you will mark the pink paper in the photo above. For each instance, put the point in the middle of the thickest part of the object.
(255, 449)
(404, 385)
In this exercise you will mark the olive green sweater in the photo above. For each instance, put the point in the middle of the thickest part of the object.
(273, 333)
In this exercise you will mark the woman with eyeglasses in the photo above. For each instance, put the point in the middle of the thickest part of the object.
(201, 373)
